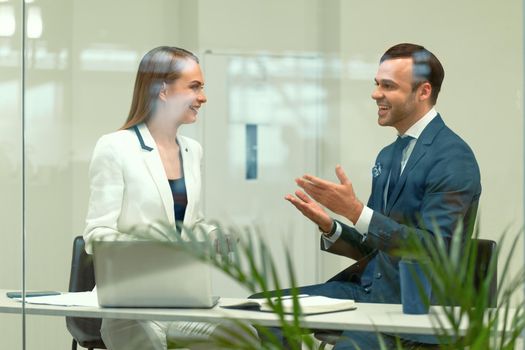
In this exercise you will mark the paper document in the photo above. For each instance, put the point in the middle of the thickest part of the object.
(309, 304)
(65, 299)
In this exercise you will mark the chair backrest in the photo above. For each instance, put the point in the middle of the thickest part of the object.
(486, 250)
(86, 331)
(82, 276)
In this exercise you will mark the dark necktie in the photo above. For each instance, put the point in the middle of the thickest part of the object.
(400, 144)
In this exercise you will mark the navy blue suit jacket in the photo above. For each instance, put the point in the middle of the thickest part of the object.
(438, 189)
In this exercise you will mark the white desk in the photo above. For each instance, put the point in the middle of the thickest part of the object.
(386, 318)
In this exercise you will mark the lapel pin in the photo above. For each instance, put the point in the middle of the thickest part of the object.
(376, 170)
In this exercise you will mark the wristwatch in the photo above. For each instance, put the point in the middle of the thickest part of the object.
(331, 232)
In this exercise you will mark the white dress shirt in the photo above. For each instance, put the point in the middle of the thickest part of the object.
(363, 222)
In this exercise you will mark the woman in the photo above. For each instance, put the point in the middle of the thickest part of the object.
(146, 173)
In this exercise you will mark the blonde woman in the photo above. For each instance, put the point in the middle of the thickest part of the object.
(146, 173)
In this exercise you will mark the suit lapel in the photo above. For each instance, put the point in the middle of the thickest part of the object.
(425, 139)
(156, 169)
(381, 180)
(187, 163)
(418, 152)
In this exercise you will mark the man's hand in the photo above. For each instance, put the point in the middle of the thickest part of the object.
(339, 198)
(311, 210)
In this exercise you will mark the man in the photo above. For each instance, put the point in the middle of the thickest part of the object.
(428, 180)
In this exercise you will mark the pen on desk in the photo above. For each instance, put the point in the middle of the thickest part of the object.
(291, 297)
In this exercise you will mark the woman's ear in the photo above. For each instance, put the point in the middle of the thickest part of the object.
(163, 94)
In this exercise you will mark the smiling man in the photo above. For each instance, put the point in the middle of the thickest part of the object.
(427, 180)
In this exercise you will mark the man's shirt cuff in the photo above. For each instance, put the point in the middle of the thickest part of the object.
(363, 223)
(328, 241)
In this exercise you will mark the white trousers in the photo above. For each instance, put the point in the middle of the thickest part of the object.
(139, 334)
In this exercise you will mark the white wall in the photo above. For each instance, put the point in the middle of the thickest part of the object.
(253, 25)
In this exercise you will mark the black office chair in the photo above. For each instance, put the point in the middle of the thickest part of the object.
(486, 249)
(85, 331)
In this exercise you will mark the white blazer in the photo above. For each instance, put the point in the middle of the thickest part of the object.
(129, 186)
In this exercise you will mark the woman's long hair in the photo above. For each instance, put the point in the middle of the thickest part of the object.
(162, 65)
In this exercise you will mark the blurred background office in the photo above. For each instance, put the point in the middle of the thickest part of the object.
(288, 85)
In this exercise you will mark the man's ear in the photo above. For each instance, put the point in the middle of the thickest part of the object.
(425, 91)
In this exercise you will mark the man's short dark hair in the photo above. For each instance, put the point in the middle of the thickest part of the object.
(426, 66)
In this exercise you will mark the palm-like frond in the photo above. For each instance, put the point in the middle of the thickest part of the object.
(472, 323)
(242, 254)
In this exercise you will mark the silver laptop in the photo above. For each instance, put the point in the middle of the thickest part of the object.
(150, 274)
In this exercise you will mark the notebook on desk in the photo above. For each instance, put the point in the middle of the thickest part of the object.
(150, 274)
(310, 304)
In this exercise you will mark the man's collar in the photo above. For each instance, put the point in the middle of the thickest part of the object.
(416, 129)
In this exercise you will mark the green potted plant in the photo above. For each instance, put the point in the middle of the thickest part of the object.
(452, 270)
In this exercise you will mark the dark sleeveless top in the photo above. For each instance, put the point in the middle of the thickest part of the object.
(180, 199)
(178, 191)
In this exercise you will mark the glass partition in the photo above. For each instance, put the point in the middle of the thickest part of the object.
(288, 86)
(11, 212)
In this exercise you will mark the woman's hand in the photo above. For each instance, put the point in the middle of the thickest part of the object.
(225, 244)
